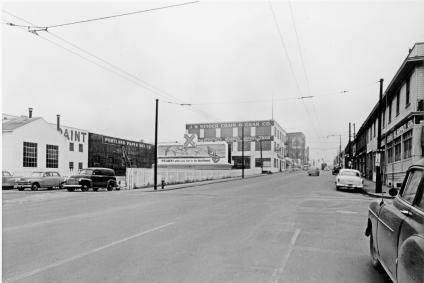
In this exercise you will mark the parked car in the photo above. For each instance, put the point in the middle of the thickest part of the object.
(50, 180)
(8, 181)
(93, 178)
(313, 171)
(336, 170)
(349, 179)
(396, 229)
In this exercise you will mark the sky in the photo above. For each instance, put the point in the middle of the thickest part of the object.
(229, 60)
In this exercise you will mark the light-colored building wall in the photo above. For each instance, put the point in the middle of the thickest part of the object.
(39, 132)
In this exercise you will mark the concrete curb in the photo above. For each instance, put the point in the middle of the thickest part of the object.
(376, 195)
(204, 183)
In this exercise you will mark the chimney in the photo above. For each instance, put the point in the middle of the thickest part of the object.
(30, 112)
(58, 122)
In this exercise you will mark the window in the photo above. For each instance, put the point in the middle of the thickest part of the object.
(30, 154)
(407, 92)
(407, 144)
(390, 112)
(390, 152)
(52, 156)
(81, 147)
(397, 149)
(263, 131)
(226, 132)
(246, 146)
(246, 131)
(384, 118)
(71, 166)
(374, 129)
(210, 133)
(411, 186)
(71, 146)
(79, 165)
(266, 145)
(258, 162)
(397, 102)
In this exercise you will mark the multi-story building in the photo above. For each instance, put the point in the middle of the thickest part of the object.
(296, 148)
(264, 142)
(402, 122)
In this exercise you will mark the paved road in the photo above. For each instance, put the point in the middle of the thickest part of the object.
(277, 228)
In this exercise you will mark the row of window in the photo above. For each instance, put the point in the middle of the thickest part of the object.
(30, 155)
(394, 148)
(229, 132)
(71, 166)
(372, 130)
(80, 147)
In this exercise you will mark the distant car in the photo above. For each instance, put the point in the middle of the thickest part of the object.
(93, 178)
(8, 181)
(396, 229)
(313, 171)
(349, 179)
(50, 180)
(336, 170)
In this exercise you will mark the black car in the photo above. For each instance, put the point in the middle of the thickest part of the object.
(94, 178)
(336, 170)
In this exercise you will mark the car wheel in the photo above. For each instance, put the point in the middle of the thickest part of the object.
(71, 189)
(337, 188)
(109, 187)
(374, 257)
(84, 187)
(95, 189)
(35, 187)
(20, 189)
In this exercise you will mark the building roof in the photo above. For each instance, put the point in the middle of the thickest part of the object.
(11, 124)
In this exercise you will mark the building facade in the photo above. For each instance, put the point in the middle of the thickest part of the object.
(118, 154)
(402, 122)
(264, 142)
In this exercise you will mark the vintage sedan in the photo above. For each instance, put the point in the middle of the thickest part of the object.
(313, 171)
(8, 181)
(396, 229)
(349, 179)
(40, 180)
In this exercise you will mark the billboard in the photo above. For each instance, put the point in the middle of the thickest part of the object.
(200, 153)
(262, 123)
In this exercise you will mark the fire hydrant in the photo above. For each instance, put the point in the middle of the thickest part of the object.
(163, 184)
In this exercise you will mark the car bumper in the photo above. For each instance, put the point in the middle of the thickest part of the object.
(71, 186)
(23, 185)
(350, 186)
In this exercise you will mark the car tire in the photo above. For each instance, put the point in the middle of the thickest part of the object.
(337, 188)
(35, 187)
(95, 189)
(84, 187)
(373, 252)
(70, 189)
(20, 189)
(109, 187)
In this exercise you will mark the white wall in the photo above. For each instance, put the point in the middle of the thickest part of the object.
(40, 132)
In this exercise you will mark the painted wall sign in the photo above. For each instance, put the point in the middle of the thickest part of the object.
(74, 135)
(237, 139)
(266, 123)
(116, 141)
(202, 153)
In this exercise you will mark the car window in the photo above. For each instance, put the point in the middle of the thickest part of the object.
(411, 186)
(6, 174)
(37, 174)
(86, 172)
(349, 173)
(54, 174)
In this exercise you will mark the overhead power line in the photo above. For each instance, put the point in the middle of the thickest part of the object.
(45, 28)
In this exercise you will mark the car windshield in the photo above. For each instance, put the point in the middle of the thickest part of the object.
(350, 173)
(86, 172)
(6, 174)
(37, 174)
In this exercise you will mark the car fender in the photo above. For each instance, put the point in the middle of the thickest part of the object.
(411, 260)
(111, 181)
(373, 212)
(86, 180)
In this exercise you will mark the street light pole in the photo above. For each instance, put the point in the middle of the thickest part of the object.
(242, 152)
(378, 184)
(156, 148)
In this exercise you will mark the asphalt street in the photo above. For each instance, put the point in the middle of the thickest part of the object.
(274, 228)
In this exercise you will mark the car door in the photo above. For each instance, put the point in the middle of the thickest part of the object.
(411, 237)
(45, 180)
(390, 220)
(97, 178)
(55, 177)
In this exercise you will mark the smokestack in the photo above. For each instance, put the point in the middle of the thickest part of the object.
(58, 122)
(30, 112)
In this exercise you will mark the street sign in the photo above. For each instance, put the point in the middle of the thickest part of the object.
(377, 159)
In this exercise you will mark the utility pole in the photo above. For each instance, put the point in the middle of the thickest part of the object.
(378, 184)
(242, 152)
(340, 151)
(262, 162)
(350, 148)
(156, 148)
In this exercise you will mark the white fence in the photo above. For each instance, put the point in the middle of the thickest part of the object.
(143, 177)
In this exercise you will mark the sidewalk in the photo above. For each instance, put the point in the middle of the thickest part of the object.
(203, 183)
(369, 189)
